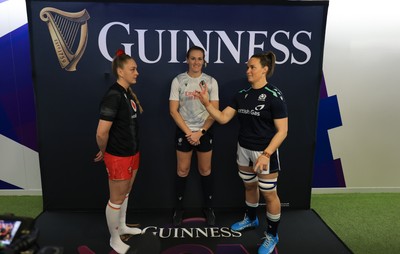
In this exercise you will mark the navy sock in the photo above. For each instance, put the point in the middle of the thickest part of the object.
(273, 223)
(208, 189)
(251, 212)
(180, 185)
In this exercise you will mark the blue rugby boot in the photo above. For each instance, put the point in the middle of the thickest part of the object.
(245, 223)
(269, 244)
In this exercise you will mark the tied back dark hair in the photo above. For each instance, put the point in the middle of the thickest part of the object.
(267, 59)
(118, 62)
(195, 48)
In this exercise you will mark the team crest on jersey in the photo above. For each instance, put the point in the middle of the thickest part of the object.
(262, 97)
(133, 104)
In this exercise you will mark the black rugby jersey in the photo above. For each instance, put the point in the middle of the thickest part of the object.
(119, 107)
(257, 109)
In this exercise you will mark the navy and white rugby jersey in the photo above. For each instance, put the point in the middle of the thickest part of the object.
(257, 109)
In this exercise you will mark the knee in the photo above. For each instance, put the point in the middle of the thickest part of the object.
(182, 172)
(251, 186)
(250, 180)
(270, 195)
(204, 171)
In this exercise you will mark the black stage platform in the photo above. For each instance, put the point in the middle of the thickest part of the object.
(300, 231)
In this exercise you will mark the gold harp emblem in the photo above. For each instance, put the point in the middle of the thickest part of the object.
(64, 27)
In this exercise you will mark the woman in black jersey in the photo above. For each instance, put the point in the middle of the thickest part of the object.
(263, 119)
(117, 139)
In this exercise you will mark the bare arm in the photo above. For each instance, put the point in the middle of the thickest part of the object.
(281, 126)
(210, 120)
(173, 110)
(195, 136)
(221, 117)
(102, 133)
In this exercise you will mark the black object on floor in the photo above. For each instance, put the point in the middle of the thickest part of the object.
(300, 231)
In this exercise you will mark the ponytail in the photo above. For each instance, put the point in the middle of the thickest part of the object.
(136, 100)
(267, 59)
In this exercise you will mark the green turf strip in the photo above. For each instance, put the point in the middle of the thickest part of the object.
(366, 222)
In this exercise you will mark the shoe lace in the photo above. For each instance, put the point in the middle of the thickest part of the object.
(267, 239)
(246, 220)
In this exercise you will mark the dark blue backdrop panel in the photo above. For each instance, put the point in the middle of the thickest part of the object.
(158, 36)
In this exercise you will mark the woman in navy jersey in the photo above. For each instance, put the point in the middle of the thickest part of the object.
(117, 139)
(193, 129)
(263, 119)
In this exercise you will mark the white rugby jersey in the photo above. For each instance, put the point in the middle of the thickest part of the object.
(190, 108)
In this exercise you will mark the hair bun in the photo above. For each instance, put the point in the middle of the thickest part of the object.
(120, 52)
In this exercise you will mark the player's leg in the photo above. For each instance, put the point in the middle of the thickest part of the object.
(250, 219)
(204, 157)
(207, 183)
(268, 187)
(118, 189)
(250, 181)
(119, 181)
(183, 166)
(184, 158)
(123, 228)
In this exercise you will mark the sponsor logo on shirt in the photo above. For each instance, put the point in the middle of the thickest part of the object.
(253, 112)
(190, 95)
(248, 112)
(259, 107)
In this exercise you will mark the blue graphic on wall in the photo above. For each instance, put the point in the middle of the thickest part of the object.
(17, 106)
(8, 186)
(328, 172)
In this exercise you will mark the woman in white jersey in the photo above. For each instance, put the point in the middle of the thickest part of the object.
(263, 119)
(193, 130)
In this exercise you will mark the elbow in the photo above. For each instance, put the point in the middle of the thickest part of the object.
(171, 114)
(284, 134)
(101, 136)
(222, 121)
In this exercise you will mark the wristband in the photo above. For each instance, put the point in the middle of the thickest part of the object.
(266, 154)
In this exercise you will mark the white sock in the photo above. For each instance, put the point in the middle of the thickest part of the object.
(123, 228)
(112, 215)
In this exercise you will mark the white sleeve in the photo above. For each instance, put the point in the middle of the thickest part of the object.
(174, 93)
(214, 90)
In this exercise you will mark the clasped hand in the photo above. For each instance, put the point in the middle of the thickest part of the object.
(194, 138)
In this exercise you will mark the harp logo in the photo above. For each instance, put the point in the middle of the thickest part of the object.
(69, 34)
